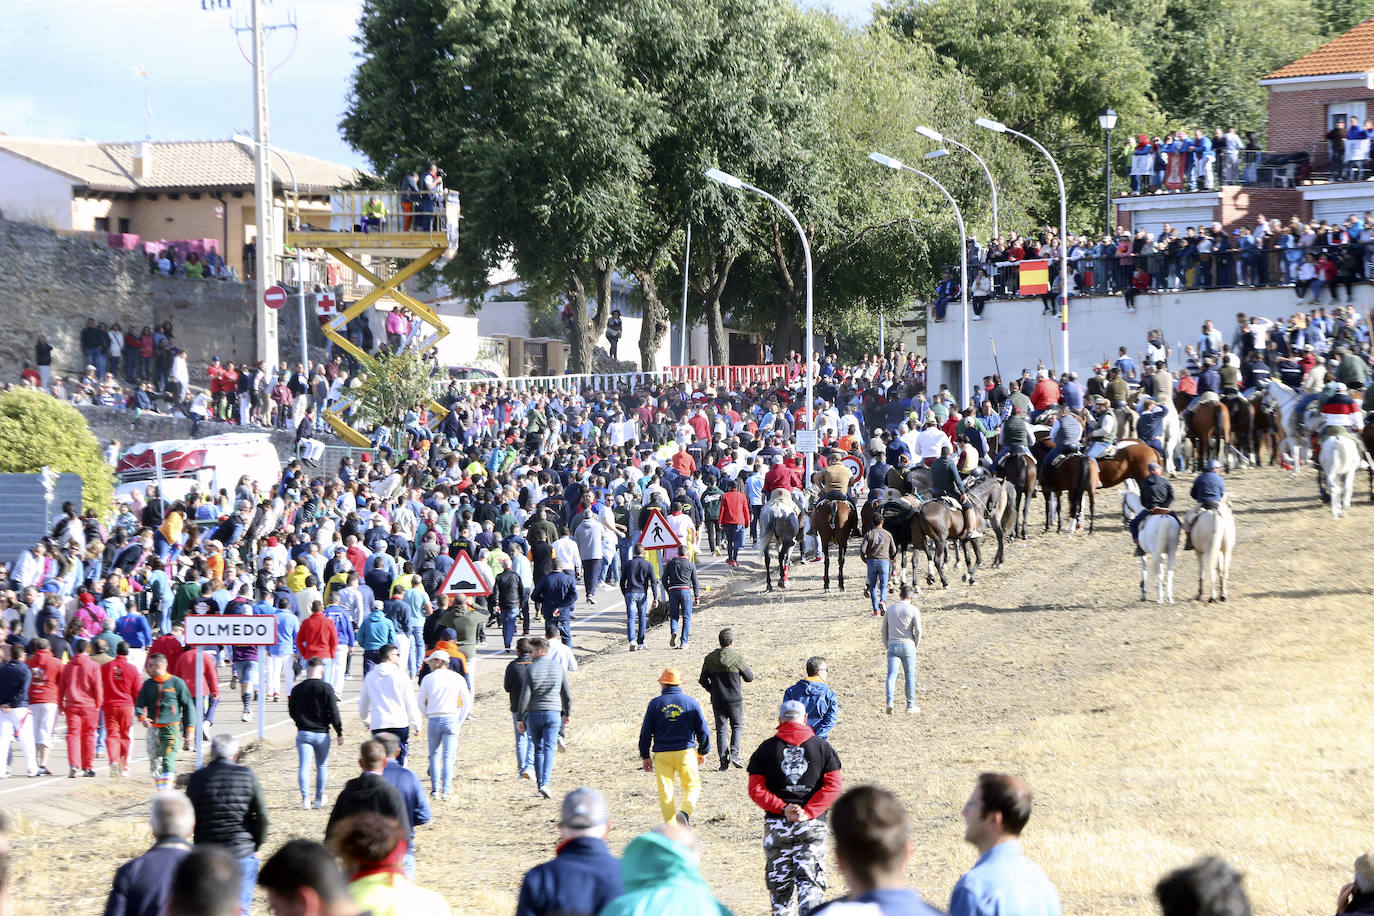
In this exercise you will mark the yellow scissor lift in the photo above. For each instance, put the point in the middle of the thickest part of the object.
(421, 237)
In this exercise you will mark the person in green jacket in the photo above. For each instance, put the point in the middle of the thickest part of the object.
(163, 706)
(661, 877)
(183, 597)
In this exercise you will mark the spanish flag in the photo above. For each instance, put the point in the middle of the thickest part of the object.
(1035, 278)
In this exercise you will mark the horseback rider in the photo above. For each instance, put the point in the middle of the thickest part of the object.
(1117, 389)
(877, 475)
(1149, 426)
(1155, 493)
(1255, 375)
(1067, 436)
(1208, 382)
(1015, 436)
(1209, 489)
(835, 482)
(1103, 434)
(1228, 377)
(945, 481)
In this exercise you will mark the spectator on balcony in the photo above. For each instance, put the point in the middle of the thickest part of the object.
(374, 214)
(1252, 156)
(1203, 158)
(432, 188)
(1335, 147)
(410, 198)
(945, 292)
(1356, 151)
(1158, 164)
(982, 291)
(1306, 278)
(1230, 168)
(1142, 164)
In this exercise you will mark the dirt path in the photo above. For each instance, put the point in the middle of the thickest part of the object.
(1152, 734)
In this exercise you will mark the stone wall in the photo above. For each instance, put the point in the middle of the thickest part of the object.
(107, 424)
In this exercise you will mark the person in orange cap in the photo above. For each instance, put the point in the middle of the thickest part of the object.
(675, 730)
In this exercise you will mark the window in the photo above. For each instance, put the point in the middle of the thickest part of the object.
(194, 195)
(174, 196)
(102, 224)
(123, 225)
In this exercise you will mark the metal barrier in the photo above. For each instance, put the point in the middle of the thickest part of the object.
(1250, 167)
(394, 211)
(698, 376)
(733, 376)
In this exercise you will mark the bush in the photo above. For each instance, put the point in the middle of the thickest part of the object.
(40, 431)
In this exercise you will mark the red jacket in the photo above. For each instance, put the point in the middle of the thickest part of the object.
(168, 646)
(185, 669)
(120, 680)
(780, 475)
(46, 669)
(317, 637)
(78, 686)
(1045, 394)
(734, 508)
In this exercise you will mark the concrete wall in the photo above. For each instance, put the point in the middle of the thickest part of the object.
(108, 424)
(51, 284)
(1097, 326)
(31, 192)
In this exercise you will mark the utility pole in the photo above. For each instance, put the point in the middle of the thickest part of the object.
(264, 200)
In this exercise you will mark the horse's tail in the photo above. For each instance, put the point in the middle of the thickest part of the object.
(834, 515)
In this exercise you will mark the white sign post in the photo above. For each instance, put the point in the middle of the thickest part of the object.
(234, 630)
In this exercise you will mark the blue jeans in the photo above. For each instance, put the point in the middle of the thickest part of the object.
(248, 865)
(564, 622)
(312, 746)
(443, 739)
(680, 605)
(247, 673)
(508, 625)
(636, 616)
(542, 727)
(611, 572)
(734, 540)
(524, 748)
(417, 649)
(591, 575)
(901, 653)
(879, 571)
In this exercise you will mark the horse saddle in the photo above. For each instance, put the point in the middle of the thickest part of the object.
(1161, 510)
(1110, 452)
(1064, 456)
(952, 503)
(1329, 431)
(1209, 397)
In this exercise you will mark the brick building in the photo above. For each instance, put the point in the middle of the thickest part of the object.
(1305, 99)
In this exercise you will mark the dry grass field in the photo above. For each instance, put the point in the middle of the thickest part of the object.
(1151, 734)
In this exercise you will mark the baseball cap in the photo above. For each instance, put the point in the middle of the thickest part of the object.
(791, 707)
(583, 807)
(438, 655)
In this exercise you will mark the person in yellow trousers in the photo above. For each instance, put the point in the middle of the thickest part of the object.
(675, 731)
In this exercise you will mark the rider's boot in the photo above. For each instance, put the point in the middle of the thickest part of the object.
(971, 524)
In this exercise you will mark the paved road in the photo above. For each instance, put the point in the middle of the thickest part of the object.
(597, 628)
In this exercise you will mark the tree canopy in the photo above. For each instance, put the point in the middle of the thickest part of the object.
(40, 431)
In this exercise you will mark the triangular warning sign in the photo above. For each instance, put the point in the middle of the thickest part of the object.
(657, 533)
(464, 579)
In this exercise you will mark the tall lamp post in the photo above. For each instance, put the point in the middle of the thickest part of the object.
(932, 134)
(899, 166)
(243, 140)
(730, 181)
(1107, 120)
(1000, 128)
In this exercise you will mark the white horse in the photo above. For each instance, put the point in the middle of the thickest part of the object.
(1296, 432)
(780, 526)
(1158, 537)
(1171, 437)
(1214, 537)
(1339, 460)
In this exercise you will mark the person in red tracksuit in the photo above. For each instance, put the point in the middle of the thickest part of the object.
(169, 645)
(734, 518)
(186, 670)
(79, 696)
(317, 637)
(119, 681)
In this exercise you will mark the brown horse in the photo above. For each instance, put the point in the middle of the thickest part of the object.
(1210, 429)
(1130, 461)
(1076, 475)
(834, 523)
(1265, 430)
(1020, 471)
(939, 524)
(1243, 434)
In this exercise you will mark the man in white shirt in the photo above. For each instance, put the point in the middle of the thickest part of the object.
(929, 441)
(445, 701)
(566, 552)
(387, 701)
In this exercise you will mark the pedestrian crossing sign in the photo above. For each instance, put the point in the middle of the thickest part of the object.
(464, 579)
(657, 533)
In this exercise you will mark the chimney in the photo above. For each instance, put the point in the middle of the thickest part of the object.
(143, 161)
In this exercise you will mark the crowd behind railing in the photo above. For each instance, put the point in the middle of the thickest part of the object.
(1310, 257)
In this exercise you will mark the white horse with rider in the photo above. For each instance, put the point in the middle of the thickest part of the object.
(1213, 535)
(1158, 538)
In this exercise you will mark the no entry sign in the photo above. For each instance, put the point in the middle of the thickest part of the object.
(234, 630)
(274, 297)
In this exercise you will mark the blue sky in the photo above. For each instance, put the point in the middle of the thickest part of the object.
(85, 54)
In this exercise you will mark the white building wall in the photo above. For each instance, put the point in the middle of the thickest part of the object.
(34, 194)
(1097, 326)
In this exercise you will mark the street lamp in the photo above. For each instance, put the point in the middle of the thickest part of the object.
(999, 128)
(245, 140)
(730, 181)
(932, 134)
(898, 166)
(1107, 121)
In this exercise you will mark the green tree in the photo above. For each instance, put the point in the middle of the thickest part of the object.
(40, 431)
(394, 384)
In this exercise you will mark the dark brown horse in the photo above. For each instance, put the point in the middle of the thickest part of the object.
(1020, 471)
(1210, 429)
(939, 524)
(833, 522)
(1130, 461)
(1075, 475)
(1243, 434)
(1265, 430)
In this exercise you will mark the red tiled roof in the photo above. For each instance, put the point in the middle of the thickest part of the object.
(1352, 52)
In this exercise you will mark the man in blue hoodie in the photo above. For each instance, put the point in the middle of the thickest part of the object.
(583, 876)
(822, 706)
(676, 729)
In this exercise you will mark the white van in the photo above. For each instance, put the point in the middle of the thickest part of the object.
(208, 465)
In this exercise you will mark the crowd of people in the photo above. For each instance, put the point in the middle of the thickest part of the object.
(546, 491)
